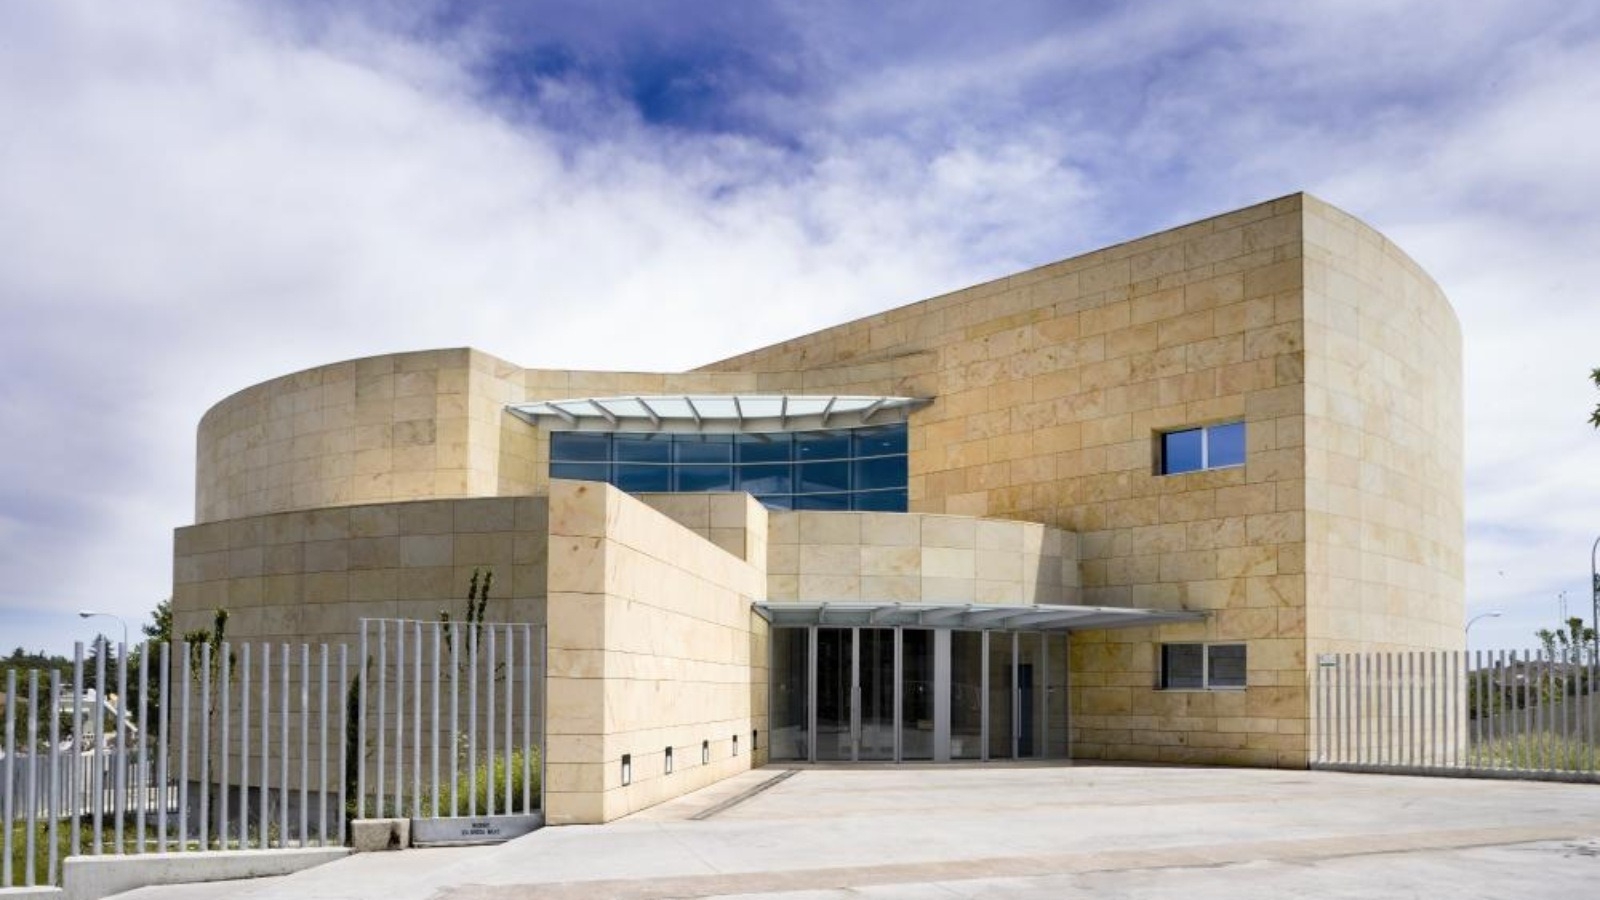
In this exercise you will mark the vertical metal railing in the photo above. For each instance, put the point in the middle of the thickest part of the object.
(1497, 713)
(451, 719)
(171, 748)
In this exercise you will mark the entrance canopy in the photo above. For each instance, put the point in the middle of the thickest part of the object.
(967, 616)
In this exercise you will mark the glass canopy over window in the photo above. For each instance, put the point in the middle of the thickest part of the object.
(832, 452)
(718, 413)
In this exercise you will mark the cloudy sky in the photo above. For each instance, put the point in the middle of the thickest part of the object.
(197, 197)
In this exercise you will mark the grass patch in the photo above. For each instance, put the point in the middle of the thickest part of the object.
(473, 788)
(18, 850)
(1538, 752)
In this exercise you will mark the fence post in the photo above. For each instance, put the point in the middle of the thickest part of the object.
(163, 765)
(344, 736)
(224, 687)
(204, 812)
(438, 638)
(57, 756)
(283, 747)
(511, 677)
(244, 746)
(361, 725)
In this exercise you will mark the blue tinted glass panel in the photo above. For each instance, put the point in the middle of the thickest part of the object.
(824, 476)
(768, 479)
(703, 448)
(841, 462)
(573, 446)
(754, 448)
(882, 472)
(1180, 451)
(704, 478)
(1225, 445)
(822, 502)
(822, 445)
(644, 478)
(656, 448)
(880, 441)
(879, 501)
(579, 471)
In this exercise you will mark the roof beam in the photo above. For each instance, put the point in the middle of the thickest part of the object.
(608, 415)
(986, 616)
(694, 411)
(872, 410)
(655, 418)
(828, 410)
(932, 616)
(566, 416)
(883, 612)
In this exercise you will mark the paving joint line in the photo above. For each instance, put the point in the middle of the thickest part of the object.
(744, 795)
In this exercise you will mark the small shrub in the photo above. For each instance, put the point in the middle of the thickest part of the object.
(472, 787)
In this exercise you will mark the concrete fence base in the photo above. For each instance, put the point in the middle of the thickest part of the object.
(93, 877)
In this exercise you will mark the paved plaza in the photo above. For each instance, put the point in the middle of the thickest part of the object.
(1018, 832)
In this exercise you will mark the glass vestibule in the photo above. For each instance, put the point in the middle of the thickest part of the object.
(910, 694)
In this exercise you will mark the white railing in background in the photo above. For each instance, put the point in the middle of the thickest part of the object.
(1516, 714)
(190, 764)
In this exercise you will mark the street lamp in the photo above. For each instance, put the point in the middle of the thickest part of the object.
(1594, 589)
(1492, 614)
(89, 614)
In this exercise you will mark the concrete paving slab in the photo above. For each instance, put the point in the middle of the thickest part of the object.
(1022, 831)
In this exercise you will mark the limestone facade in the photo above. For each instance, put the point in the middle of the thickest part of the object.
(1034, 476)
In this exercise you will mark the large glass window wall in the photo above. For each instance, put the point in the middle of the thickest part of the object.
(837, 469)
(911, 694)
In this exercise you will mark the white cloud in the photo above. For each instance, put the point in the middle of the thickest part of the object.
(197, 199)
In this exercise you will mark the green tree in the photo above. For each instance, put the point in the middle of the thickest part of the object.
(159, 628)
(1573, 643)
(1594, 417)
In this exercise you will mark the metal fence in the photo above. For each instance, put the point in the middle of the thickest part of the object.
(452, 719)
(1518, 714)
(178, 747)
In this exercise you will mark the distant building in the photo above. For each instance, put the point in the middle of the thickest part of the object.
(1110, 508)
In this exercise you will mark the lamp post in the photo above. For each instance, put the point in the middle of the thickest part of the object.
(89, 614)
(1492, 614)
(1594, 597)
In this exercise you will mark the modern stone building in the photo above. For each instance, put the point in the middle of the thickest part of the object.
(1114, 508)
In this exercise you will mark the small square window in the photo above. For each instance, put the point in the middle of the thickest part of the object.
(1196, 449)
(1202, 667)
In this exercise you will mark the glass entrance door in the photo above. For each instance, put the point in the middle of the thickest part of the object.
(917, 692)
(876, 677)
(904, 694)
(835, 693)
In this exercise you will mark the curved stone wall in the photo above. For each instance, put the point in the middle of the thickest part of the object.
(406, 426)
(1383, 435)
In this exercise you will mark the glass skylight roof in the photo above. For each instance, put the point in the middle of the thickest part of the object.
(717, 413)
